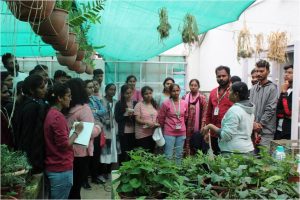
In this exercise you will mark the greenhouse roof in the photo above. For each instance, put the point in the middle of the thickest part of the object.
(128, 27)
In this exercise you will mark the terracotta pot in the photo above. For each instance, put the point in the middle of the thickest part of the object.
(58, 39)
(294, 179)
(89, 70)
(31, 10)
(72, 51)
(65, 60)
(82, 68)
(65, 45)
(51, 25)
(75, 66)
(80, 55)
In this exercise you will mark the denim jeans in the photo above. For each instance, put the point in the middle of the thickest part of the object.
(174, 143)
(60, 184)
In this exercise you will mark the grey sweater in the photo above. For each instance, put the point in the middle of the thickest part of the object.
(264, 97)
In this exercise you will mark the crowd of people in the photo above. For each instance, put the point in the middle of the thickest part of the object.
(37, 114)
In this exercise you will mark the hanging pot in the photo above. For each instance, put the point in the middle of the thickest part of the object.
(80, 55)
(72, 51)
(31, 10)
(58, 39)
(65, 45)
(75, 66)
(82, 68)
(89, 70)
(65, 60)
(52, 25)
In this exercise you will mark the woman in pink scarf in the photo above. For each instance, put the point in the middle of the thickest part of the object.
(196, 113)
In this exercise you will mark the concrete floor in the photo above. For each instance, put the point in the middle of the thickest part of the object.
(101, 191)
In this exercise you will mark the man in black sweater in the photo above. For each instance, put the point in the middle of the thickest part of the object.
(284, 106)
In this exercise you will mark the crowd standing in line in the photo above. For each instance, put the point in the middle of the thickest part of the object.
(45, 111)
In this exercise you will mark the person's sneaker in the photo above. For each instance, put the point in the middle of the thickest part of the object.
(102, 179)
(86, 186)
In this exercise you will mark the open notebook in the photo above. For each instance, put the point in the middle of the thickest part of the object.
(85, 136)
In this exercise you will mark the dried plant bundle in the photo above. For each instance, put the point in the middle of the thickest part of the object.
(164, 27)
(259, 42)
(277, 46)
(244, 44)
(190, 30)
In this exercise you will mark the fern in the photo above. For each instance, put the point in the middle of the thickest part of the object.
(89, 12)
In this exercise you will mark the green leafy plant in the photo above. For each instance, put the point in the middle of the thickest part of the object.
(146, 175)
(63, 4)
(14, 167)
(89, 12)
(164, 27)
(190, 30)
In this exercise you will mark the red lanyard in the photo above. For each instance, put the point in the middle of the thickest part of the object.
(219, 99)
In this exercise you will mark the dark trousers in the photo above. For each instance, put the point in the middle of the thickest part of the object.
(106, 168)
(146, 143)
(127, 142)
(215, 145)
(95, 160)
(80, 170)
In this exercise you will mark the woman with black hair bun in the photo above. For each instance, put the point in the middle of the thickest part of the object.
(59, 154)
(237, 124)
(79, 111)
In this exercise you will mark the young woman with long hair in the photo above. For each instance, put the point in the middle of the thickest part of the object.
(124, 115)
(172, 117)
(197, 106)
(160, 98)
(146, 120)
(59, 154)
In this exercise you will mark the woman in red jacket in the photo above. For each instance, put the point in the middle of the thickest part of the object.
(59, 154)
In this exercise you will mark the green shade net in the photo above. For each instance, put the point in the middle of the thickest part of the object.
(128, 27)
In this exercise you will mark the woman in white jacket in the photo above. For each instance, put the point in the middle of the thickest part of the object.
(237, 124)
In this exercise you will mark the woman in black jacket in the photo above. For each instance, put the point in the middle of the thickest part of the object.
(124, 115)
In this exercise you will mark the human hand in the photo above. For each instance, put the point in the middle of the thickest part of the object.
(285, 86)
(257, 126)
(78, 128)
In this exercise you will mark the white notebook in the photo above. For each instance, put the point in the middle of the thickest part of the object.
(85, 136)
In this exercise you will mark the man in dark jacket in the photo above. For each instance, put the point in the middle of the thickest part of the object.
(264, 96)
(284, 106)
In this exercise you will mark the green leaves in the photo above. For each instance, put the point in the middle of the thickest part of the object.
(89, 12)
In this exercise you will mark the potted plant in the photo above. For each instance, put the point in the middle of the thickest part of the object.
(14, 168)
(31, 10)
(164, 26)
(146, 175)
(190, 30)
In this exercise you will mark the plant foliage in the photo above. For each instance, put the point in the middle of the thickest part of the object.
(164, 26)
(190, 30)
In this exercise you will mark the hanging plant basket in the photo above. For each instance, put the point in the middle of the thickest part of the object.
(52, 25)
(80, 55)
(31, 11)
(190, 30)
(61, 38)
(75, 66)
(164, 26)
(89, 69)
(244, 44)
(82, 68)
(277, 46)
(65, 45)
(71, 51)
(65, 60)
